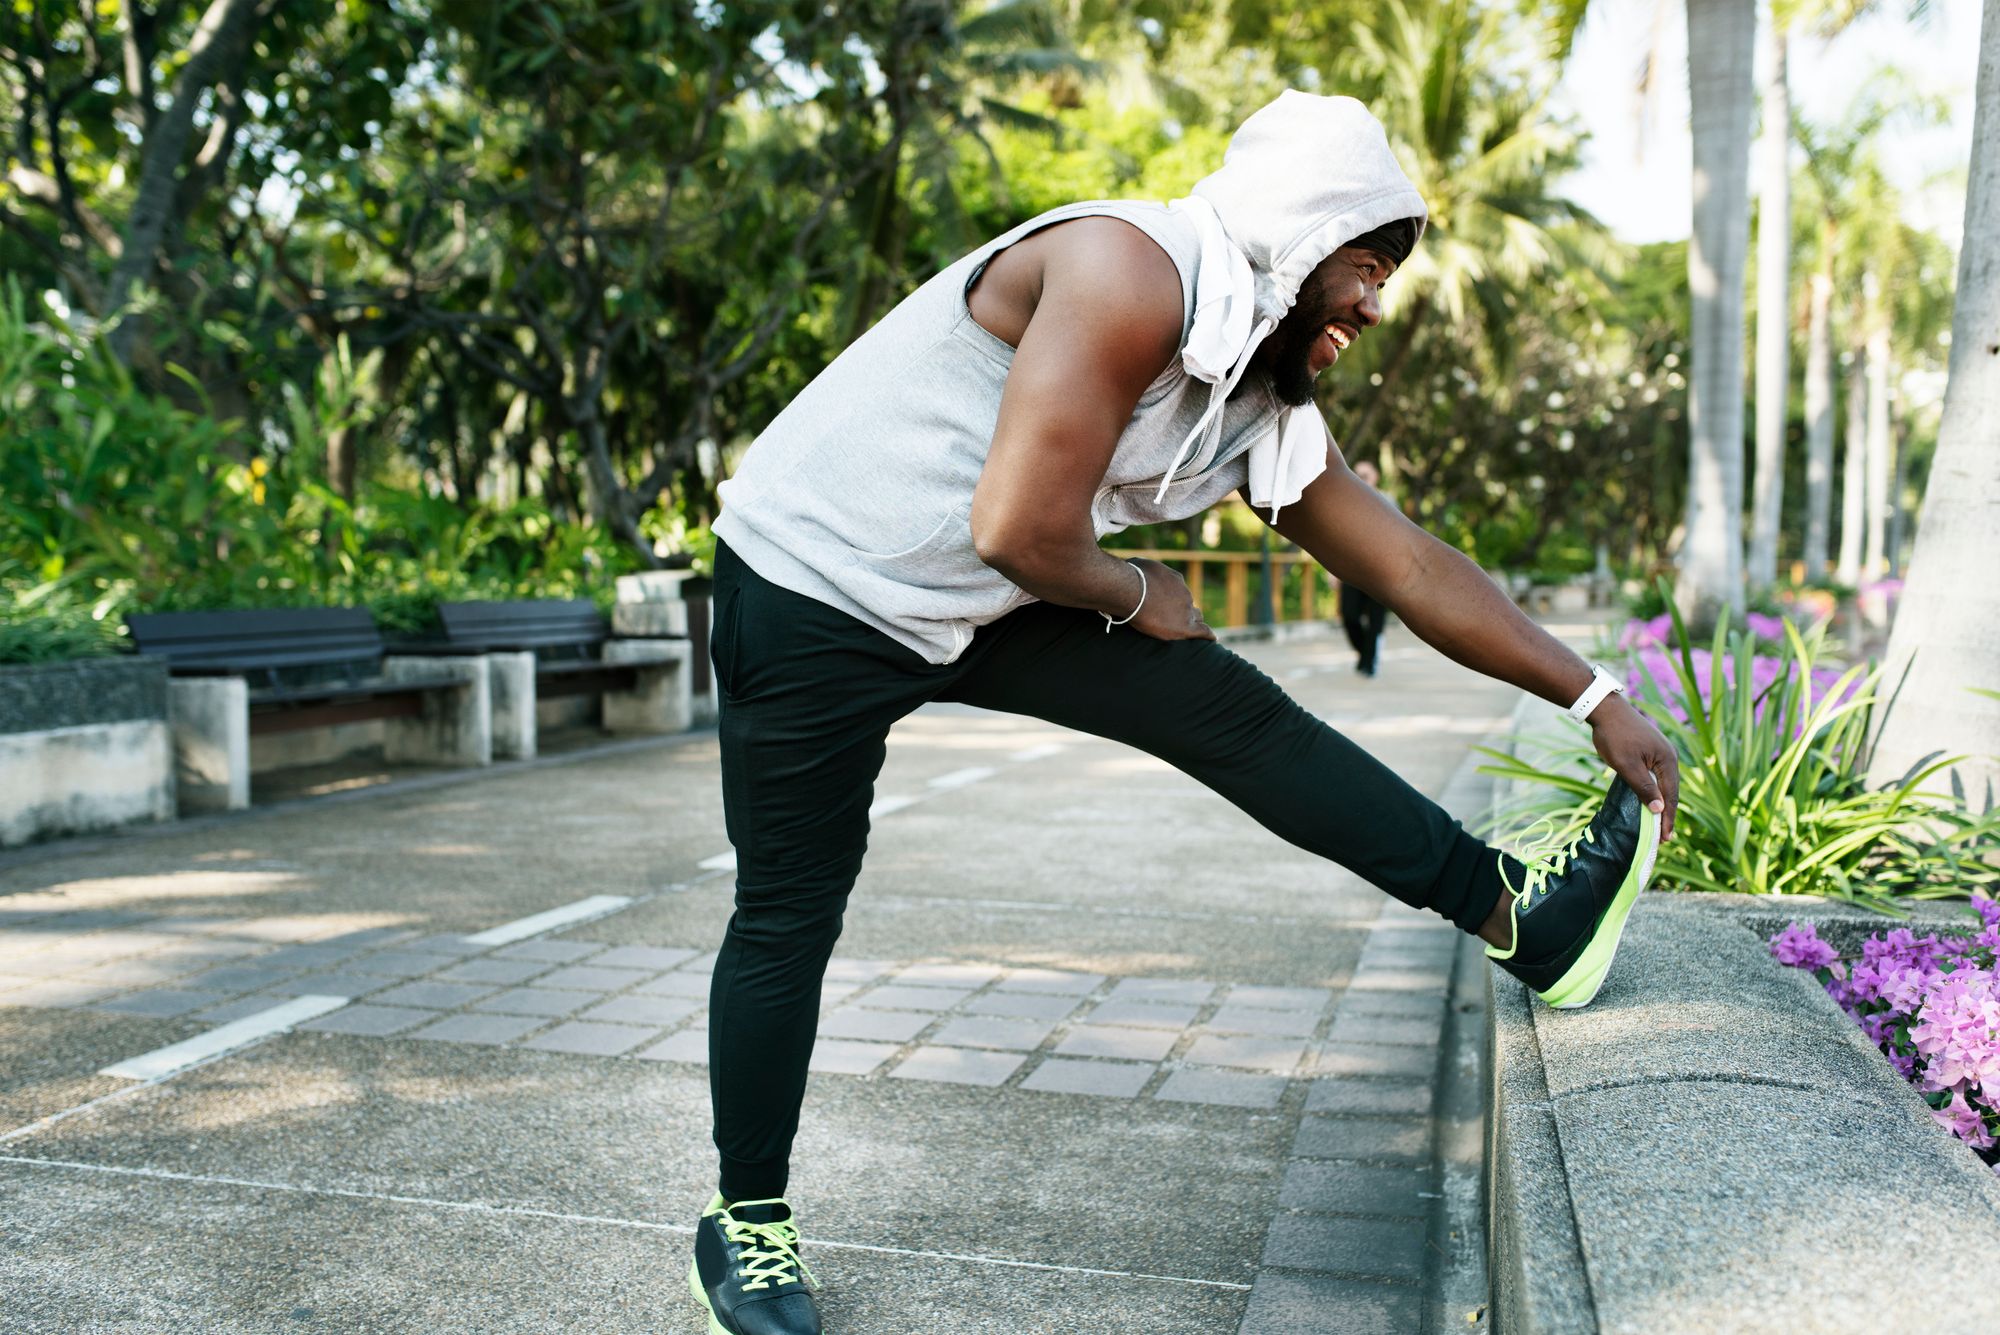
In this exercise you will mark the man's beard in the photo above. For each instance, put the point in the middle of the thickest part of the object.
(1287, 355)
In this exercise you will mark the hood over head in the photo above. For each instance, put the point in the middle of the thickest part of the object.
(1304, 176)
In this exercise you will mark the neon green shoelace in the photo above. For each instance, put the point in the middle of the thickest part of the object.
(771, 1252)
(1558, 846)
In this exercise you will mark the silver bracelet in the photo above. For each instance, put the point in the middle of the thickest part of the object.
(1108, 622)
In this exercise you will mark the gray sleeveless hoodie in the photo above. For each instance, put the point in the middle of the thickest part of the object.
(859, 494)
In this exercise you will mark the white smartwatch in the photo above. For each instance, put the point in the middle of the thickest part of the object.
(1602, 683)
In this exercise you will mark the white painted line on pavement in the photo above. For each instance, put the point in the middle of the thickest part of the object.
(568, 915)
(561, 1216)
(888, 806)
(227, 1038)
(959, 778)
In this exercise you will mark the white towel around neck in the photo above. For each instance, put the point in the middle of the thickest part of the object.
(1226, 334)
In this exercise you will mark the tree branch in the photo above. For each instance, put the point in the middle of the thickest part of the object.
(225, 25)
(43, 189)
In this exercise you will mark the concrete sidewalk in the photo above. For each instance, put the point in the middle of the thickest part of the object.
(1099, 1052)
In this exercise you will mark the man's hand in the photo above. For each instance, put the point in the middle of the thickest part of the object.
(1633, 747)
(1170, 611)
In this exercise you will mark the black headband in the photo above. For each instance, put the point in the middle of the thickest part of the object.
(1391, 239)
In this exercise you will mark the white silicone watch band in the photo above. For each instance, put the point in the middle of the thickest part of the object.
(1602, 683)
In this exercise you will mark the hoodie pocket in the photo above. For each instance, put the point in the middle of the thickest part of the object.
(940, 578)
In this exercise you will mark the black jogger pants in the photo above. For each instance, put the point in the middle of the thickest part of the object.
(807, 694)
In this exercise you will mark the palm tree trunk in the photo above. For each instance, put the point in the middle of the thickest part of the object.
(1875, 559)
(1721, 34)
(1854, 472)
(1899, 514)
(1951, 604)
(1819, 422)
(1774, 331)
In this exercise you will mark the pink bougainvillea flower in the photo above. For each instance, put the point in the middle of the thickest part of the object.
(1903, 988)
(1965, 1122)
(1931, 1005)
(1799, 945)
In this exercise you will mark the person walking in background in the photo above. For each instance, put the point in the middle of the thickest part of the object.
(1360, 615)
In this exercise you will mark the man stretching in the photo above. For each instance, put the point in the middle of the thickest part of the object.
(922, 523)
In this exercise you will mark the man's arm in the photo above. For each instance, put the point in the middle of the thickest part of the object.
(1102, 309)
(1451, 604)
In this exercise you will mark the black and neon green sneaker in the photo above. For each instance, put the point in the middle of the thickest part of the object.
(1575, 895)
(747, 1272)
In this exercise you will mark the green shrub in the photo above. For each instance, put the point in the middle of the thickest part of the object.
(1773, 799)
(115, 498)
(1651, 601)
(35, 635)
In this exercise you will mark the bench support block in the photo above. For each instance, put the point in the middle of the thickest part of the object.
(663, 700)
(456, 726)
(211, 725)
(511, 678)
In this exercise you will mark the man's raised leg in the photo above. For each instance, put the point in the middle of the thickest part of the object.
(1209, 712)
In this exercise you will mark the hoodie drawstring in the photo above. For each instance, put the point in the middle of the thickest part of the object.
(1209, 426)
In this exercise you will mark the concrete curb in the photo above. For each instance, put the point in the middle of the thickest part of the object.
(1379, 1227)
(1713, 1147)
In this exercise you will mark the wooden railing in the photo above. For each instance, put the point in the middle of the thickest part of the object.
(1236, 576)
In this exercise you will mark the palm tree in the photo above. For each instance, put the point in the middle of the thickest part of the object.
(1819, 419)
(1853, 208)
(1874, 558)
(1947, 631)
(1774, 239)
(944, 67)
(1774, 326)
(1481, 145)
(1854, 471)
(1720, 37)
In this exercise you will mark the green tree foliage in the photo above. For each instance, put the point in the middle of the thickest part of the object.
(494, 292)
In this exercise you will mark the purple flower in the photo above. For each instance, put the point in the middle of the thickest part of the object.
(1766, 627)
(1987, 907)
(1799, 946)
(1931, 1005)
(1903, 987)
(1880, 1027)
(1964, 1121)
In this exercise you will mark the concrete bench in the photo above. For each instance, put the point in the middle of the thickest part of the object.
(239, 674)
(1713, 1146)
(544, 649)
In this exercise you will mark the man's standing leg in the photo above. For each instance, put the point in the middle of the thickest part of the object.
(807, 695)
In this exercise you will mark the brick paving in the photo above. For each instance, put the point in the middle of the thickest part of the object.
(1190, 1041)
(1321, 1093)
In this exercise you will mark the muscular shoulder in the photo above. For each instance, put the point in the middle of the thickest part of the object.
(1098, 280)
